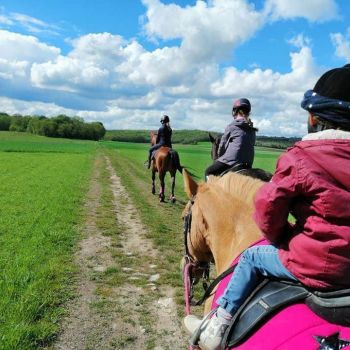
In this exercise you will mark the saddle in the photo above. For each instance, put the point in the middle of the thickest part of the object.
(246, 169)
(155, 152)
(236, 168)
(271, 296)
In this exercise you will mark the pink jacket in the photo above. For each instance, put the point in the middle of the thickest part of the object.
(312, 182)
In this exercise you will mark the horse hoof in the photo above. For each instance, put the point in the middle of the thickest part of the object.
(161, 199)
(172, 199)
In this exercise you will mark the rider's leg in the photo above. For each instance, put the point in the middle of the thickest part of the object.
(153, 148)
(254, 263)
(216, 169)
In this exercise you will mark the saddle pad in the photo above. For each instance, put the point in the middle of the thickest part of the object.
(268, 297)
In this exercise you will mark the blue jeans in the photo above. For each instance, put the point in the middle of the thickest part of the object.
(255, 263)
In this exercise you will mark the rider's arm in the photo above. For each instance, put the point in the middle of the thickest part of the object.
(159, 134)
(273, 200)
(224, 138)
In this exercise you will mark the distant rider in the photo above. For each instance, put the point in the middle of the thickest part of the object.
(236, 149)
(163, 137)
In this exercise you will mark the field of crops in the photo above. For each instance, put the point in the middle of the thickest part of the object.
(43, 183)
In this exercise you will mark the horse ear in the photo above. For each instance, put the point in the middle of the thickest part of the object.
(191, 186)
(211, 138)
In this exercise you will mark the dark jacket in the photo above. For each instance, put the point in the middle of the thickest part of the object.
(312, 182)
(164, 136)
(237, 143)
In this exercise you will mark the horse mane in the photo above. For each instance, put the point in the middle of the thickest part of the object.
(240, 186)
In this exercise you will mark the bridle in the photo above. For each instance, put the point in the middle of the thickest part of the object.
(191, 264)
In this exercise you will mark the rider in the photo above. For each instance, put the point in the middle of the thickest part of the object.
(312, 183)
(236, 149)
(163, 137)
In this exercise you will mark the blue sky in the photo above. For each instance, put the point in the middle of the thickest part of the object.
(125, 63)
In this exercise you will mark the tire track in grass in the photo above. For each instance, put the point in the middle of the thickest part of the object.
(83, 322)
(119, 303)
(158, 315)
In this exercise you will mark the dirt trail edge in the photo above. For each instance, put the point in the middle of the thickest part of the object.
(119, 304)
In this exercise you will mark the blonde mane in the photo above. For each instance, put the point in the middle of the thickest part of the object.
(242, 187)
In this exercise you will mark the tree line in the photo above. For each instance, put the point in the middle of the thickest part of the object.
(193, 137)
(59, 126)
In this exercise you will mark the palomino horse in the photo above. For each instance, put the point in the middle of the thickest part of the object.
(220, 228)
(165, 160)
(254, 172)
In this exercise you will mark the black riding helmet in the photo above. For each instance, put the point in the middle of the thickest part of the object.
(165, 119)
(242, 104)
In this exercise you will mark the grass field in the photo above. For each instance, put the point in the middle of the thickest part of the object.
(43, 182)
(43, 185)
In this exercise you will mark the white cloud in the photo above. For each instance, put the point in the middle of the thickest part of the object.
(30, 24)
(68, 74)
(342, 46)
(14, 46)
(5, 20)
(312, 10)
(123, 84)
(207, 30)
(12, 69)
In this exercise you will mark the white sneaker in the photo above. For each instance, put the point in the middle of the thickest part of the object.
(192, 323)
(212, 334)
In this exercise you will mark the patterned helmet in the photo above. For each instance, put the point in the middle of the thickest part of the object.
(243, 104)
(165, 119)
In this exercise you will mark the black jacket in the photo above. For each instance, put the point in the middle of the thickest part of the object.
(164, 136)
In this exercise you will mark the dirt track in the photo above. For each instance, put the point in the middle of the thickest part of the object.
(135, 312)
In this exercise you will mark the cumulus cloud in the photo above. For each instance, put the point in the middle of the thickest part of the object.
(207, 30)
(15, 46)
(312, 10)
(125, 85)
(342, 45)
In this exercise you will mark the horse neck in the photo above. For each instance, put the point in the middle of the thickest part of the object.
(231, 228)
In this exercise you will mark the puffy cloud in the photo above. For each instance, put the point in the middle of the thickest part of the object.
(312, 10)
(14, 46)
(68, 74)
(274, 96)
(121, 83)
(342, 45)
(207, 30)
(12, 69)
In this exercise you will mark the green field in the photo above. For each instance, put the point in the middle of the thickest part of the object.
(43, 185)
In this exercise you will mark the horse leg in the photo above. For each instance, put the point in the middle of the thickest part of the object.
(162, 187)
(153, 182)
(172, 196)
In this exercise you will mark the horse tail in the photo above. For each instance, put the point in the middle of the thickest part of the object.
(176, 159)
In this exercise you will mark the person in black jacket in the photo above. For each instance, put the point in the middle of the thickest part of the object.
(236, 147)
(163, 137)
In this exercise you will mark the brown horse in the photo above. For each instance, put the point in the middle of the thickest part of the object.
(165, 160)
(221, 228)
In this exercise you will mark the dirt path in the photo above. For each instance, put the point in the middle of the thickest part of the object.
(120, 304)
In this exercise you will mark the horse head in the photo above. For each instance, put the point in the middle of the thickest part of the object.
(153, 136)
(221, 217)
(215, 142)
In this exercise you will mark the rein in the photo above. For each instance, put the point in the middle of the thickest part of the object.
(191, 264)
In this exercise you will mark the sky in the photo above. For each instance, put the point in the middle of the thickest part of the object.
(128, 62)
